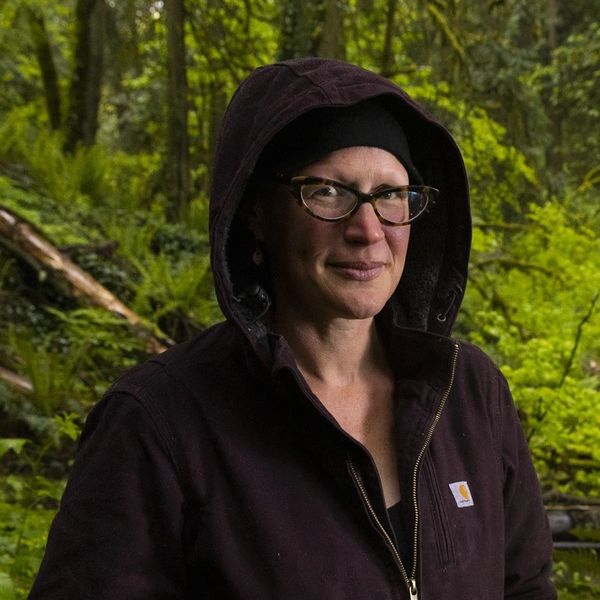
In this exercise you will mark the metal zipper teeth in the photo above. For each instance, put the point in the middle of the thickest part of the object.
(388, 540)
(436, 418)
(411, 583)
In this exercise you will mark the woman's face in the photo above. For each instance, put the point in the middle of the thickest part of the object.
(330, 270)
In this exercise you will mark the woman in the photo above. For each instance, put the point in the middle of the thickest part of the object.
(329, 440)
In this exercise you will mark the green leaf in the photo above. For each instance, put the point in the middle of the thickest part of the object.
(67, 425)
(14, 444)
(7, 589)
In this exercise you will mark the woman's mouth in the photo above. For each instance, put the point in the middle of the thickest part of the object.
(358, 270)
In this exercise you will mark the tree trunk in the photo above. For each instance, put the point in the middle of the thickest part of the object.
(300, 24)
(332, 43)
(552, 23)
(387, 56)
(312, 29)
(217, 102)
(554, 155)
(177, 157)
(45, 59)
(86, 84)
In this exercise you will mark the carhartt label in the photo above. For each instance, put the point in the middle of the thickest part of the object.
(462, 494)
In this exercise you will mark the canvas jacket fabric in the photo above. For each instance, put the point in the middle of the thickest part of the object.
(213, 472)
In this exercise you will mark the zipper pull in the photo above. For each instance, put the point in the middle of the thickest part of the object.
(412, 589)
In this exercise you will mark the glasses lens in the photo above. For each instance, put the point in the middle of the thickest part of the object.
(327, 201)
(402, 205)
(333, 201)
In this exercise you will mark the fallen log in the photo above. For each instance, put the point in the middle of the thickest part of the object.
(24, 239)
(577, 545)
(17, 382)
(554, 499)
(567, 512)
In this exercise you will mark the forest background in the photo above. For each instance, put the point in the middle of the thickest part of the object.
(109, 113)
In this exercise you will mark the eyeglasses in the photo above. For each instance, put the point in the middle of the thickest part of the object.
(330, 200)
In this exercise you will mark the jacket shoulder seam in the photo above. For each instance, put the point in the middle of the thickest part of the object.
(495, 404)
(139, 393)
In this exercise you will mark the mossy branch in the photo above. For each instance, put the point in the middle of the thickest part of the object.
(27, 242)
(515, 264)
(584, 320)
(17, 382)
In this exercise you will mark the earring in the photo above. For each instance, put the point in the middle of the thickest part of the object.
(257, 256)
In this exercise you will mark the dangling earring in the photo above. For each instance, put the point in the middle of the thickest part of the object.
(257, 256)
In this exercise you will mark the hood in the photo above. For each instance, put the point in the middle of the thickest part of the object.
(434, 277)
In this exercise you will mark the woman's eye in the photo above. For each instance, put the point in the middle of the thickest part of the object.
(389, 195)
(328, 191)
(322, 191)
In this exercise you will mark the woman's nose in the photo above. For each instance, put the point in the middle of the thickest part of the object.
(364, 227)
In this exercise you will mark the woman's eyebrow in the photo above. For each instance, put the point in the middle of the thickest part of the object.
(350, 182)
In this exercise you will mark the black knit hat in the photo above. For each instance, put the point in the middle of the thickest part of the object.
(319, 132)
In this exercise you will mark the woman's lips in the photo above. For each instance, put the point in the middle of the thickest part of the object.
(358, 270)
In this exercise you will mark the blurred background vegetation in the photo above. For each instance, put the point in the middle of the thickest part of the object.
(109, 113)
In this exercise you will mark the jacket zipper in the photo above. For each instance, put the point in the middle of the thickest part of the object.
(411, 582)
(386, 536)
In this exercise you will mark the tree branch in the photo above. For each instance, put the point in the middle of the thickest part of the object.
(17, 382)
(22, 238)
(586, 318)
(496, 301)
(499, 226)
(516, 264)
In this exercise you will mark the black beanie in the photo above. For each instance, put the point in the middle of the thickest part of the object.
(319, 132)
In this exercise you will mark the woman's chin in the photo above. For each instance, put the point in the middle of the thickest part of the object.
(359, 308)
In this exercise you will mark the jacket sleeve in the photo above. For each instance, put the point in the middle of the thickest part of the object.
(117, 534)
(528, 542)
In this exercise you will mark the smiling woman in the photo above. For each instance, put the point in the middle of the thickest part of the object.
(343, 269)
(329, 440)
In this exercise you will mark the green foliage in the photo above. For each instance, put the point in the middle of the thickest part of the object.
(22, 540)
(7, 589)
(49, 215)
(28, 502)
(25, 518)
(68, 178)
(169, 286)
(11, 445)
(571, 85)
(576, 574)
(52, 374)
(535, 301)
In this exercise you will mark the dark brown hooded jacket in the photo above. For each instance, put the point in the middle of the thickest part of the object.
(213, 472)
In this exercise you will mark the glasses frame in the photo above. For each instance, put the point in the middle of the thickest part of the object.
(296, 183)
